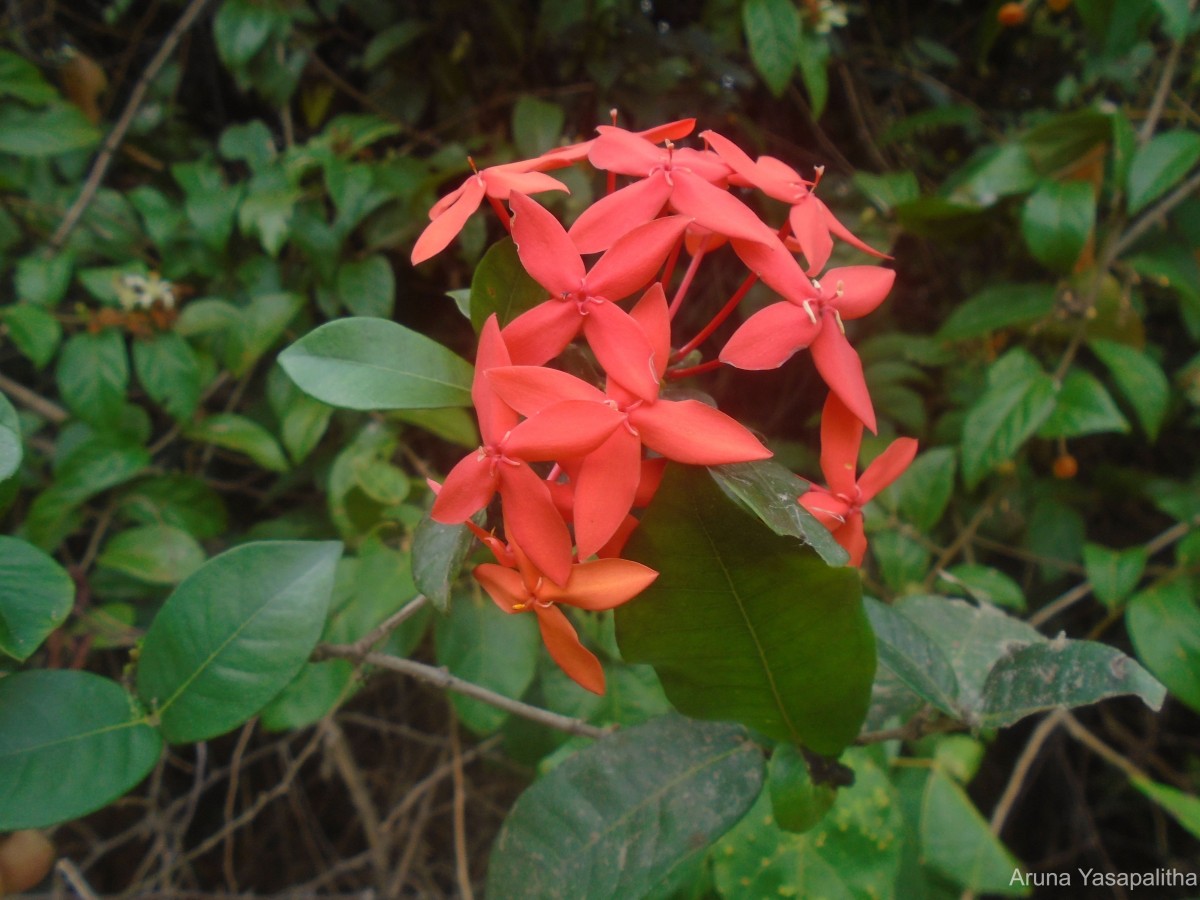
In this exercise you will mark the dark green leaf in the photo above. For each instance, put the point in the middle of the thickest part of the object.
(438, 553)
(797, 802)
(1175, 17)
(770, 492)
(1139, 379)
(97, 465)
(158, 554)
(58, 128)
(653, 797)
(1113, 573)
(169, 372)
(1056, 221)
(93, 374)
(258, 326)
(1164, 625)
(70, 743)
(21, 80)
(234, 634)
(376, 364)
(250, 141)
(33, 330)
(1083, 407)
(993, 174)
(924, 490)
(1020, 396)
(36, 594)
(812, 55)
(796, 652)
(43, 280)
(996, 307)
(536, 125)
(1160, 165)
(1066, 139)
(179, 500)
(302, 420)
(889, 189)
(395, 37)
(11, 448)
(367, 287)
(910, 654)
(903, 560)
(242, 435)
(501, 286)
(773, 36)
(982, 583)
(242, 27)
(1184, 808)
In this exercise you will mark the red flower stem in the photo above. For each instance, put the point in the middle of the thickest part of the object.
(672, 259)
(502, 213)
(726, 311)
(676, 374)
(688, 276)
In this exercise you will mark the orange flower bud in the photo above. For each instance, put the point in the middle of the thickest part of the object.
(1066, 466)
(1011, 14)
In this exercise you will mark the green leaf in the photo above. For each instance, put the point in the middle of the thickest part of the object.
(770, 492)
(1056, 221)
(812, 55)
(536, 125)
(796, 653)
(853, 853)
(233, 634)
(982, 583)
(58, 128)
(258, 326)
(480, 643)
(302, 420)
(180, 500)
(20, 79)
(450, 424)
(501, 286)
(903, 560)
(1160, 165)
(250, 141)
(211, 204)
(93, 374)
(267, 208)
(1065, 139)
(797, 802)
(909, 654)
(169, 372)
(36, 595)
(1164, 625)
(11, 448)
(647, 796)
(70, 743)
(1083, 407)
(996, 307)
(393, 38)
(889, 189)
(994, 173)
(158, 554)
(242, 435)
(1175, 18)
(97, 465)
(241, 28)
(1113, 573)
(773, 37)
(43, 280)
(1184, 808)
(438, 554)
(1020, 396)
(957, 843)
(1139, 379)
(33, 330)
(367, 287)
(1049, 674)
(376, 364)
(924, 490)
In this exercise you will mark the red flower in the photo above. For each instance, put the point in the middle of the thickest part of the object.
(583, 300)
(839, 506)
(769, 337)
(811, 221)
(597, 585)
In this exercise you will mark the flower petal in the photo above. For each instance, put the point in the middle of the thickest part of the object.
(774, 264)
(625, 153)
(653, 314)
(503, 585)
(717, 209)
(540, 334)
(689, 431)
(566, 428)
(610, 217)
(502, 183)
(546, 252)
(841, 438)
(768, 338)
(671, 131)
(853, 538)
(863, 288)
(622, 348)
(887, 467)
(468, 488)
(603, 584)
(576, 660)
(496, 418)
(811, 233)
(733, 156)
(634, 258)
(830, 511)
(605, 487)
(530, 389)
(841, 231)
(450, 220)
(532, 521)
(842, 370)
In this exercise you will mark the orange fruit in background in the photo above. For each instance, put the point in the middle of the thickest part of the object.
(1011, 14)
(25, 859)
(1066, 466)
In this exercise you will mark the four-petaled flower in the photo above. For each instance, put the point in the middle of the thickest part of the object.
(838, 506)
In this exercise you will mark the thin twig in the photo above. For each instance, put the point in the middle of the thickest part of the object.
(1157, 213)
(47, 409)
(1163, 88)
(1016, 781)
(443, 679)
(70, 873)
(462, 868)
(115, 136)
(365, 643)
(235, 772)
(360, 797)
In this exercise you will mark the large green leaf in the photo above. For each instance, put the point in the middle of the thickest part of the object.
(912, 656)
(1056, 221)
(169, 371)
(1139, 378)
(502, 287)
(58, 128)
(93, 374)
(70, 743)
(376, 364)
(746, 625)
(626, 816)
(242, 435)
(1160, 165)
(11, 448)
(159, 554)
(853, 853)
(1083, 407)
(1019, 398)
(234, 634)
(771, 492)
(773, 36)
(1164, 625)
(36, 594)
(484, 645)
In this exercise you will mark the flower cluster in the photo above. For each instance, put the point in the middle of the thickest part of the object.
(605, 446)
